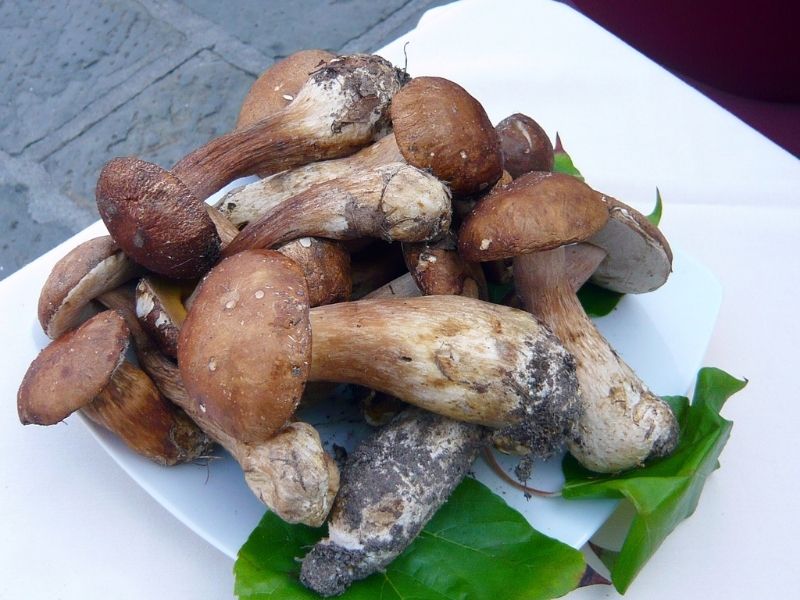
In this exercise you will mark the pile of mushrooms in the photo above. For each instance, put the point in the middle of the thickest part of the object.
(375, 185)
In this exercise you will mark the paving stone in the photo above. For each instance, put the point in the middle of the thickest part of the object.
(65, 56)
(280, 28)
(34, 215)
(191, 105)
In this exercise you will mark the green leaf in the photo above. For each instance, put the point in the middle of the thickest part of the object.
(562, 163)
(476, 546)
(597, 301)
(655, 216)
(666, 491)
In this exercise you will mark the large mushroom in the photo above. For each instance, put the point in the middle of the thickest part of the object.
(437, 126)
(622, 422)
(158, 217)
(85, 369)
(463, 358)
(392, 202)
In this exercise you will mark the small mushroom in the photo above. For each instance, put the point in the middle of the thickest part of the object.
(276, 87)
(438, 127)
(85, 369)
(84, 273)
(438, 269)
(157, 216)
(290, 472)
(622, 423)
(326, 267)
(393, 202)
(525, 145)
(629, 255)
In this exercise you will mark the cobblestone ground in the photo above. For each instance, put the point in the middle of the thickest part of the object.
(82, 81)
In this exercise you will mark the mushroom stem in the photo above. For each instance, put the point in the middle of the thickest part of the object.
(394, 202)
(341, 108)
(581, 261)
(622, 422)
(459, 357)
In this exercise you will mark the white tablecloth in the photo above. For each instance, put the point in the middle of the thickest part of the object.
(74, 526)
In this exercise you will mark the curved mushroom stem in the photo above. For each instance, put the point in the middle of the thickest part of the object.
(394, 202)
(622, 423)
(459, 357)
(248, 203)
(342, 107)
(291, 473)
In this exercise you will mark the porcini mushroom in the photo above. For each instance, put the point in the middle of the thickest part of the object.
(392, 484)
(393, 202)
(629, 255)
(290, 473)
(157, 216)
(277, 86)
(85, 369)
(463, 358)
(438, 269)
(622, 423)
(437, 127)
(84, 273)
(525, 145)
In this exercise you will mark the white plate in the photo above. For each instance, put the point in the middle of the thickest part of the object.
(662, 335)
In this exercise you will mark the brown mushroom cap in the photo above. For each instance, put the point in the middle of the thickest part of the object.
(245, 347)
(278, 85)
(71, 371)
(326, 266)
(89, 269)
(155, 219)
(439, 126)
(525, 145)
(538, 211)
(438, 269)
(638, 257)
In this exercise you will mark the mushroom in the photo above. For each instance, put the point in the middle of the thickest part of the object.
(525, 145)
(290, 473)
(393, 202)
(85, 369)
(85, 272)
(326, 267)
(276, 87)
(391, 486)
(438, 269)
(161, 311)
(463, 358)
(437, 127)
(157, 216)
(622, 423)
(629, 255)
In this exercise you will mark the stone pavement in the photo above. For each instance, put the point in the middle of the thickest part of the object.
(82, 81)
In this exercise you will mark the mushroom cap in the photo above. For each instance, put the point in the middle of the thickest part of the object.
(89, 269)
(155, 219)
(326, 266)
(277, 86)
(438, 269)
(538, 211)
(525, 145)
(439, 126)
(245, 347)
(70, 372)
(638, 257)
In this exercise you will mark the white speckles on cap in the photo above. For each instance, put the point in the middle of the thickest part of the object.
(485, 244)
(259, 294)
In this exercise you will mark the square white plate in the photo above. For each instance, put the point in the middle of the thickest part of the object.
(662, 335)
